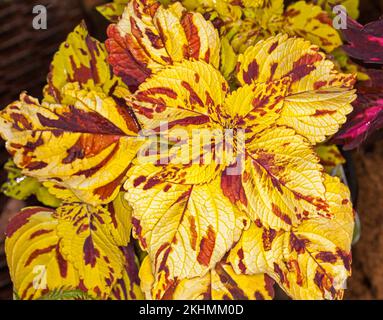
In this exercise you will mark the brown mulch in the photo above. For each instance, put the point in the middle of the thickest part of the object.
(367, 279)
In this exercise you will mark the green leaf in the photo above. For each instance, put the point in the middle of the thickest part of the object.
(66, 294)
(21, 187)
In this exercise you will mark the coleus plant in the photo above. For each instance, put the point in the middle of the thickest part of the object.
(114, 141)
(243, 23)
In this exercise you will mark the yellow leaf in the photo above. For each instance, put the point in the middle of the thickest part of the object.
(268, 14)
(21, 187)
(191, 92)
(34, 255)
(330, 156)
(244, 34)
(182, 103)
(146, 277)
(84, 145)
(150, 36)
(186, 229)
(282, 179)
(257, 106)
(76, 246)
(112, 11)
(82, 59)
(128, 287)
(82, 131)
(119, 210)
(312, 260)
(228, 58)
(318, 98)
(60, 192)
(311, 23)
(88, 243)
(254, 3)
(352, 6)
(121, 218)
(223, 10)
(221, 283)
(226, 284)
(318, 114)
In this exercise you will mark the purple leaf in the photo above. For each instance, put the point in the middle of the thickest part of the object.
(367, 116)
(364, 42)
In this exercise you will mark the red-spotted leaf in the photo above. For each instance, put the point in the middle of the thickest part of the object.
(34, 255)
(82, 59)
(150, 36)
(84, 144)
(221, 283)
(128, 286)
(312, 260)
(76, 246)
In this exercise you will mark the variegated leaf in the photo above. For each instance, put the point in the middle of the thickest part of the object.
(88, 243)
(128, 287)
(318, 98)
(330, 156)
(82, 59)
(282, 179)
(185, 228)
(188, 93)
(352, 6)
(225, 284)
(181, 103)
(221, 283)
(121, 218)
(312, 260)
(311, 23)
(34, 254)
(150, 36)
(84, 144)
(224, 11)
(255, 107)
(318, 114)
(112, 10)
(254, 3)
(268, 14)
(60, 192)
(76, 246)
(244, 34)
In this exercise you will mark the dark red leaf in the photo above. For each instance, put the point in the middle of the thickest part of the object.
(364, 42)
(367, 116)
